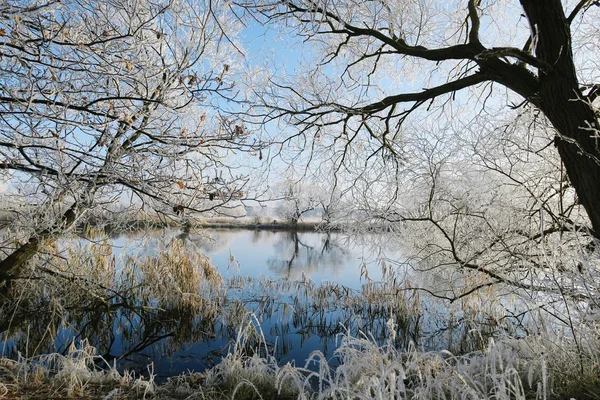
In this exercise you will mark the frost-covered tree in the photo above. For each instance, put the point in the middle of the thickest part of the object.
(113, 101)
(299, 198)
(383, 63)
(465, 130)
(498, 209)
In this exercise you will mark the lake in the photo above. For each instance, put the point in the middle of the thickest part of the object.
(302, 289)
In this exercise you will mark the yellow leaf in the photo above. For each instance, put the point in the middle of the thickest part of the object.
(181, 185)
(128, 65)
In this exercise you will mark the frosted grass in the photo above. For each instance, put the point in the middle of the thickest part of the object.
(505, 370)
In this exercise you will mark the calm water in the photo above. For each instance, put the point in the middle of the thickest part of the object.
(282, 273)
(320, 257)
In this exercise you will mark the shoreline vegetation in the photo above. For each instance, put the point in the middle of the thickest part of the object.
(532, 368)
(368, 363)
(243, 223)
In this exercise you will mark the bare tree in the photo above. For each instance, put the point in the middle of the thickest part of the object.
(113, 101)
(490, 211)
(299, 197)
(386, 62)
(297, 201)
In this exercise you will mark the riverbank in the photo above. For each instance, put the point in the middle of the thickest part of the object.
(273, 225)
(125, 222)
(243, 223)
(178, 295)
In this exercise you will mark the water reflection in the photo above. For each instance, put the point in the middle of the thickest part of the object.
(288, 255)
(158, 299)
(295, 257)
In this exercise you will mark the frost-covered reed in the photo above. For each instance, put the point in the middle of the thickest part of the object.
(178, 290)
(360, 369)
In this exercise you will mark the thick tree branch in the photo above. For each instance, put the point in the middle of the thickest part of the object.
(426, 94)
(498, 52)
(21, 255)
(474, 32)
(594, 93)
(456, 52)
(518, 79)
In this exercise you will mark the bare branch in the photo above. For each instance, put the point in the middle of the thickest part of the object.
(426, 94)
(583, 4)
(456, 52)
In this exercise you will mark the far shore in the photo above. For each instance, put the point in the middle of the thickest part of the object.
(274, 224)
(268, 226)
(246, 223)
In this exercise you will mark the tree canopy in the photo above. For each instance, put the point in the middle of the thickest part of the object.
(110, 102)
(384, 63)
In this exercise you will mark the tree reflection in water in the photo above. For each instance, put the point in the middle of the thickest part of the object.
(294, 257)
(173, 308)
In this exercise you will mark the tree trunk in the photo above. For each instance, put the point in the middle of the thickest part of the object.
(294, 220)
(564, 105)
(17, 259)
(580, 155)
